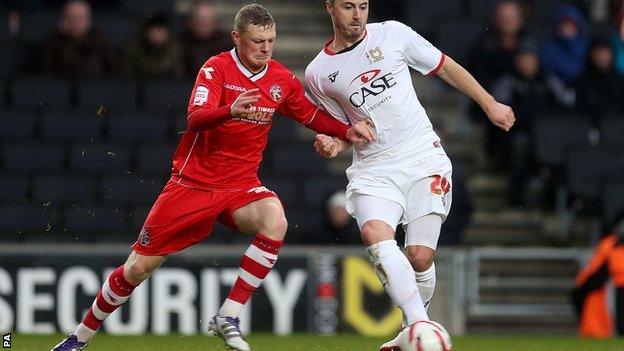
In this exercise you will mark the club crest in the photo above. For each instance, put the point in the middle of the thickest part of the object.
(276, 92)
(375, 55)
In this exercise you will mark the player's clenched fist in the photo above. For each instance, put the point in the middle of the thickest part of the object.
(501, 115)
(242, 104)
(362, 132)
(329, 147)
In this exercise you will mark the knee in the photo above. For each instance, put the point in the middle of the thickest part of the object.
(420, 257)
(375, 231)
(137, 271)
(274, 225)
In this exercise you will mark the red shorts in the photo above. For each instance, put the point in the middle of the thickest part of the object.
(183, 216)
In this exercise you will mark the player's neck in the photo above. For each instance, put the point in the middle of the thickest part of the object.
(341, 42)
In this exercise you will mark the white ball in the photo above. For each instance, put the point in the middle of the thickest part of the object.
(425, 336)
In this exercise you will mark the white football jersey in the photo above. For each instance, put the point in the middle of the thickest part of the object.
(372, 80)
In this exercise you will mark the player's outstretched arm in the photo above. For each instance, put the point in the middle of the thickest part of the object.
(454, 74)
(329, 147)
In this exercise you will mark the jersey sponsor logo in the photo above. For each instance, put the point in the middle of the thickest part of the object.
(208, 72)
(234, 87)
(375, 55)
(201, 95)
(276, 92)
(366, 76)
(144, 237)
(332, 77)
(374, 85)
(258, 115)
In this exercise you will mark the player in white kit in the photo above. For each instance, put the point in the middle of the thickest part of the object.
(363, 73)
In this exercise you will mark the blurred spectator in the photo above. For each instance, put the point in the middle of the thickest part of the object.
(564, 54)
(76, 49)
(202, 37)
(155, 52)
(590, 294)
(495, 50)
(600, 89)
(527, 90)
(618, 43)
(339, 228)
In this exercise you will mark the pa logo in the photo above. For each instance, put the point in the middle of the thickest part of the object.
(6, 341)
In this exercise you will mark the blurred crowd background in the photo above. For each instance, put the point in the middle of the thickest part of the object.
(93, 97)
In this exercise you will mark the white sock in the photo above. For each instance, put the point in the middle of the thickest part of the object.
(84, 333)
(426, 282)
(397, 276)
(230, 308)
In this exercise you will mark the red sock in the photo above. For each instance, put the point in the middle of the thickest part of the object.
(257, 262)
(115, 291)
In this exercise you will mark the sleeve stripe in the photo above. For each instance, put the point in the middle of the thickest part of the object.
(435, 70)
(313, 117)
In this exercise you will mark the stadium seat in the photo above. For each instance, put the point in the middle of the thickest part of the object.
(613, 199)
(97, 220)
(543, 11)
(113, 94)
(117, 27)
(138, 125)
(33, 156)
(611, 128)
(35, 91)
(38, 26)
(302, 222)
(99, 157)
(457, 38)
(24, 218)
(554, 135)
(283, 130)
(13, 188)
(64, 189)
(285, 187)
(71, 125)
(297, 159)
(10, 60)
(318, 189)
(589, 168)
(137, 216)
(179, 125)
(142, 7)
(130, 189)
(155, 158)
(171, 94)
(17, 124)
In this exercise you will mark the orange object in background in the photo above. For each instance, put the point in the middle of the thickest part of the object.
(590, 294)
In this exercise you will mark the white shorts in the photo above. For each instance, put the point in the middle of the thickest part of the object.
(421, 190)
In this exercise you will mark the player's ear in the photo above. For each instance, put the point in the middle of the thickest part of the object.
(236, 37)
(329, 6)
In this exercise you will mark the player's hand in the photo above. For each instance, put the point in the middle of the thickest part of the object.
(329, 147)
(501, 115)
(242, 105)
(362, 132)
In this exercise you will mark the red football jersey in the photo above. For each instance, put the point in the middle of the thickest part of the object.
(227, 156)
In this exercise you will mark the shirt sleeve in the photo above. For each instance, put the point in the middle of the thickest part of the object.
(418, 52)
(299, 107)
(330, 105)
(204, 110)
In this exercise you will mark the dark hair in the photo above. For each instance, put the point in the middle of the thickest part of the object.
(255, 14)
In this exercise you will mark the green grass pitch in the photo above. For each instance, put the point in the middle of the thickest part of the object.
(304, 342)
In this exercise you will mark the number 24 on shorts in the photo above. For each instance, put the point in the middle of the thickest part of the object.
(440, 185)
